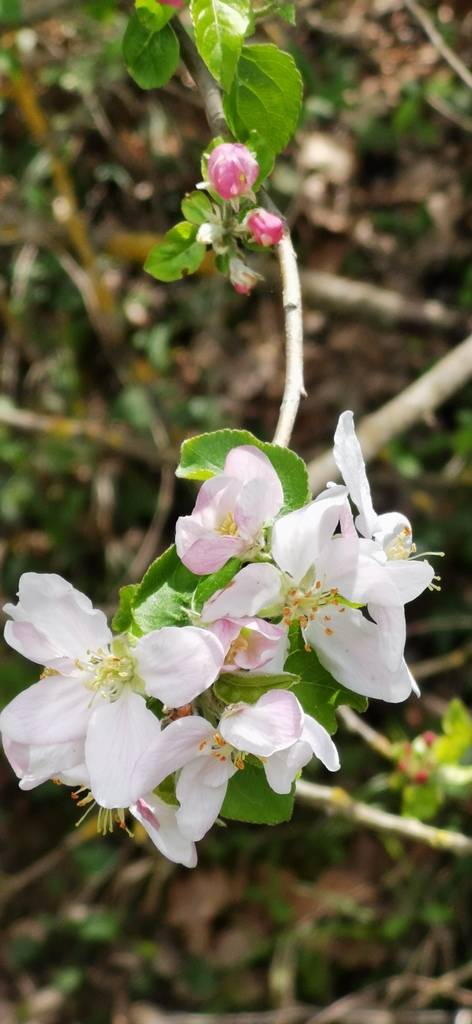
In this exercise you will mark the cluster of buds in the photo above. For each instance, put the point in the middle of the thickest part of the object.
(416, 760)
(232, 172)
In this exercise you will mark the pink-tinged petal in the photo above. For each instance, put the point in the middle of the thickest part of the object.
(254, 507)
(159, 820)
(226, 630)
(246, 462)
(273, 723)
(118, 733)
(215, 499)
(54, 710)
(36, 764)
(298, 538)
(283, 767)
(77, 776)
(200, 804)
(349, 648)
(63, 617)
(177, 663)
(410, 578)
(203, 550)
(392, 633)
(180, 742)
(34, 645)
(350, 462)
(267, 645)
(254, 588)
(321, 743)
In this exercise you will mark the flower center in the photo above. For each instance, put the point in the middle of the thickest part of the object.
(239, 644)
(112, 670)
(303, 603)
(228, 526)
(401, 546)
(217, 747)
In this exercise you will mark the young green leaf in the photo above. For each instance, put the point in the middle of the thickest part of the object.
(250, 798)
(178, 255)
(216, 581)
(153, 15)
(220, 28)
(196, 208)
(123, 617)
(318, 693)
(266, 95)
(232, 687)
(151, 57)
(203, 456)
(287, 12)
(164, 595)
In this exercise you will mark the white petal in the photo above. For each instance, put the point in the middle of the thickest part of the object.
(200, 805)
(409, 577)
(254, 588)
(180, 742)
(273, 723)
(178, 663)
(350, 462)
(54, 710)
(62, 616)
(321, 743)
(283, 767)
(35, 764)
(349, 649)
(159, 820)
(117, 735)
(392, 633)
(298, 538)
(389, 525)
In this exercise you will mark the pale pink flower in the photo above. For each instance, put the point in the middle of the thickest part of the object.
(160, 821)
(274, 729)
(266, 228)
(232, 170)
(251, 644)
(94, 691)
(242, 277)
(230, 512)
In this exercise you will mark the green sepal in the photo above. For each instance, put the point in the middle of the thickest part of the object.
(123, 618)
(216, 581)
(233, 687)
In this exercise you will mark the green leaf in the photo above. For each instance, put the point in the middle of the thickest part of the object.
(151, 57)
(220, 28)
(123, 618)
(10, 11)
(264, 155)
(216, 581)
(266, 95)
(203, 456)
(196, 208)
(421, 802)
(287, 12)
(318, 693)
(178, 255)
(153, 15)
(165, 593)
(457, 739)
(232, 687)
(250, 798)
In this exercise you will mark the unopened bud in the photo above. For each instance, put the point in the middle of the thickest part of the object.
(429, 737)
(232, 170)
(266, 228)
(242, 277)
(421, 777)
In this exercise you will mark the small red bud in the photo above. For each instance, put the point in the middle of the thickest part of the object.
(421, 777)
(429, 737)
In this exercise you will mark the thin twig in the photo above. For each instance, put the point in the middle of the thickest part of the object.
(145, 1013)
(113, 436)
(294, 388)
(418, 400)
(337, 801)
(438, 42)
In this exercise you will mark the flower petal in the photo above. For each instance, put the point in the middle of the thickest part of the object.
(409, 577)
(180, 742)
(177, 663)
(63, 619)
(54, 710)
(253, 589)
(118, 733)
(256, 505)
(159, 820)
(246, 462)
(321, 743)
(200, 805)
(392, 633)
(350, 462)
(274, 722)
(283, 767)
(298, 538)
(203, 550)
(350, 649)
(36, 764)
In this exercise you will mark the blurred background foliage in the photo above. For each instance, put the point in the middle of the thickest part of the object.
(104, 372)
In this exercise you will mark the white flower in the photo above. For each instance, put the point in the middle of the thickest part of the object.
(93, 692)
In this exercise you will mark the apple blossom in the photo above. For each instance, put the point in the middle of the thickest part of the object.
(242, 277)
(251, 644)
(94, 688)
(275, 729)
(232, 170)
(266, 228)
(230, 512)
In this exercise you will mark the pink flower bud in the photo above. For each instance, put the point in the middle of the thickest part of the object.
(173, 3)
(242, 277)
(266, 228)
(232, 170)
(421, 777)
(430, 737)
